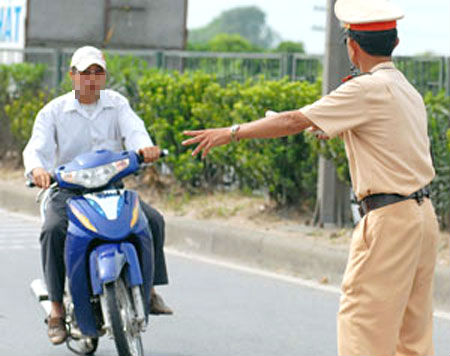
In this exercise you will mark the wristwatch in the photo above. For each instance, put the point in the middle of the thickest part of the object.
(233, 131)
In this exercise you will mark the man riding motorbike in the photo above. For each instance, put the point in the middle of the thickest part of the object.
(88, 118)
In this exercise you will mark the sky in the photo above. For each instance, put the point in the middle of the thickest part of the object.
(425, 28)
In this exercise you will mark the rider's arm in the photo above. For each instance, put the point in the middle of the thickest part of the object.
(132, 128)
(40, 150)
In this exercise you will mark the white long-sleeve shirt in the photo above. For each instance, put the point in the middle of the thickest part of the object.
(63, 130)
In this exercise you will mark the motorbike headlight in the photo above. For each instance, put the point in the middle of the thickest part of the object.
(97, 176)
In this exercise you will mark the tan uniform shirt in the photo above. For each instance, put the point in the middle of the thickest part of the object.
(383, 122)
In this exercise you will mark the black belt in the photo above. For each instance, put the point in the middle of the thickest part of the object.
(376, 201)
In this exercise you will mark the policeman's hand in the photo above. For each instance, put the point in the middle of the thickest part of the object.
(41, 177)
(151, 154)
(207, 139)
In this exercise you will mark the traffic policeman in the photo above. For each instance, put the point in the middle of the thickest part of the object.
(386, 303)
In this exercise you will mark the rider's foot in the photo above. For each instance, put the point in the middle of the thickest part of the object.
(157, 305)
(57, 332)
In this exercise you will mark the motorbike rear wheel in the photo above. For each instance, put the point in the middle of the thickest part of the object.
(85, 346)
(122, 316)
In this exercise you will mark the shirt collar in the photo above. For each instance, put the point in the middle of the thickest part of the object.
(384, 65)
(105, 101)
(72, 104)
(69, 105)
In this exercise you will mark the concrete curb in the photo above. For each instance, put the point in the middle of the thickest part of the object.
(293, 256)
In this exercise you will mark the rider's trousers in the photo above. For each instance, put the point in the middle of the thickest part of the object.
(53, 237)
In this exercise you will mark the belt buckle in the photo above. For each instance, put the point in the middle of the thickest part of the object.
(361, 210)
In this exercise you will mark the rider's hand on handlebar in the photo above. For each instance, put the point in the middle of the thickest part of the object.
(150, 154)
(41, 177)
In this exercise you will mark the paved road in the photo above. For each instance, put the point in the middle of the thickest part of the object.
(219, 310)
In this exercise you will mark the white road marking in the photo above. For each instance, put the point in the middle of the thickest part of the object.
(18, 231)
(19, 247)
(281, 277)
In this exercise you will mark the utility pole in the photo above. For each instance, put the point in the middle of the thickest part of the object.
(448, 76)
(333, 196)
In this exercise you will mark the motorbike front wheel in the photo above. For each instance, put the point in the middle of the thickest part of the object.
(120, 309)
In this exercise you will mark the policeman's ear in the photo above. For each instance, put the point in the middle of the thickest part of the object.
(354, 45)
(397, 41)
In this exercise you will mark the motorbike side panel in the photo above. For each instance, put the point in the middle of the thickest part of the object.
(79, 244)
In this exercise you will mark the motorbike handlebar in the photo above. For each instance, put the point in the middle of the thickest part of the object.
(164, 152)
(30, 184)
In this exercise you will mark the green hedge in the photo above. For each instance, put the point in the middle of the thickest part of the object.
(438, 108)
(172, 103)
(22, 94)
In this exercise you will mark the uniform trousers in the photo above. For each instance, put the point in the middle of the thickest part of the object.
(386, 303)
(53, 237)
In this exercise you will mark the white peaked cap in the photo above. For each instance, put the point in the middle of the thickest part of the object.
(86, 56)
(367, 11)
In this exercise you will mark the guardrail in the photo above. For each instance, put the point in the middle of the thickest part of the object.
(426, 73)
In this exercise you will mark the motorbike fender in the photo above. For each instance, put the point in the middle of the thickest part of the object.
(107, 262)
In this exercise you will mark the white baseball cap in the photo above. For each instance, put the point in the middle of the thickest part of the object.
(368, 15)
(86, 56)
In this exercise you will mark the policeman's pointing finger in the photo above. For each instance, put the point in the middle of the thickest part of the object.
(192, 140)
(200, 147)
(193, 132)
(206, 150)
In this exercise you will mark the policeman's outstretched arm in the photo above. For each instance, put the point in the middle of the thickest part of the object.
(277, 125)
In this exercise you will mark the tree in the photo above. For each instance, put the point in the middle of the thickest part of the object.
(249, 22)
(290, 47)
(224, 42)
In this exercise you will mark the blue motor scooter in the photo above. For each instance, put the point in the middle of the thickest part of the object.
(108, 254)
